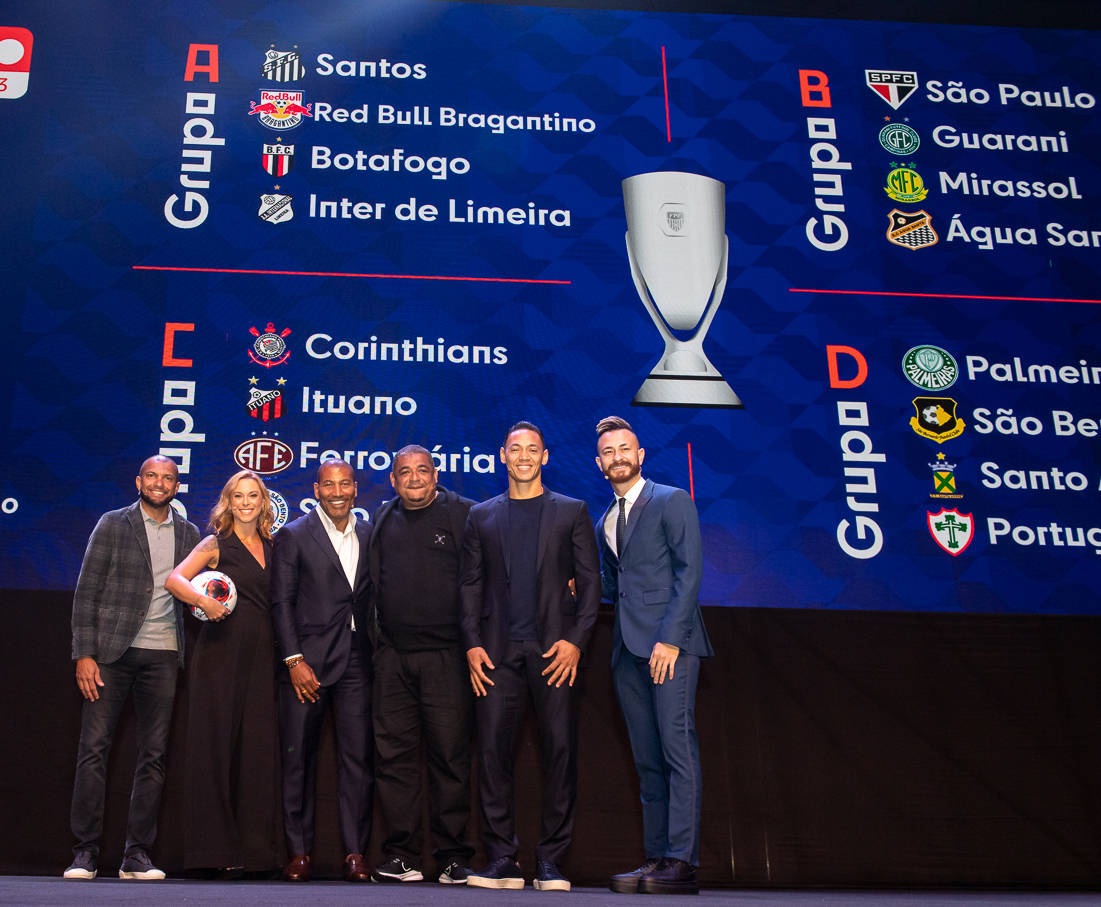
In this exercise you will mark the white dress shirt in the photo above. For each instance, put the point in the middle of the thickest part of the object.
(346, 545)
(613, 514)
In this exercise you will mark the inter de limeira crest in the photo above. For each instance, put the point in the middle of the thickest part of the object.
(282, 66)
(275, 209)
(278, 159)
(951, 529)
(280, 110)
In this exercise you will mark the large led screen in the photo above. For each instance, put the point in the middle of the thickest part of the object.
(842, 277)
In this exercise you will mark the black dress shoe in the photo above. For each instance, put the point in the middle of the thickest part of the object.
(297, 868)
(670, 876)
(355, 868)
(627, 882)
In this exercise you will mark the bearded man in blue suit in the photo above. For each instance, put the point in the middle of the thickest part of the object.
(651, 563)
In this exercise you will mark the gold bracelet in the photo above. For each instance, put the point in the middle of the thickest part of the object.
(293, 660)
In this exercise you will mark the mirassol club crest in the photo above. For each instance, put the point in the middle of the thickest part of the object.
(951, 530)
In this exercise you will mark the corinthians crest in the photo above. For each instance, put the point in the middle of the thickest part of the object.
(269, 349)
(951, 529)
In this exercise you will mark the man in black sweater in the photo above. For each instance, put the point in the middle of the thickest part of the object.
(421, 676)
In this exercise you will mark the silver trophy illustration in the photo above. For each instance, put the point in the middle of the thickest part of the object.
(678, 251)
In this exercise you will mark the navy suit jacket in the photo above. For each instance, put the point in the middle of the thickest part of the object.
(567, 550)
(655, 581)
(312, 605)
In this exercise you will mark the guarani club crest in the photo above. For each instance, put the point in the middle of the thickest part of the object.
(277, 159)
(280, 110)
(282, 65)
(951, 530)
(269, 349)
(892, 85)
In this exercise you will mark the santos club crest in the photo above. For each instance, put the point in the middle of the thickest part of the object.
(951, 529)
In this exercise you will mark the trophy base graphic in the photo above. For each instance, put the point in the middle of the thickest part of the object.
(686, 378)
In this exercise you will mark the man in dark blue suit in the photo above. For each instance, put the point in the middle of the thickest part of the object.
(651, 561)
(319, 587)
(524, 630)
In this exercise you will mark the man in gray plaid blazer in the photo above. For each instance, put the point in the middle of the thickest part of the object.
(128, 640)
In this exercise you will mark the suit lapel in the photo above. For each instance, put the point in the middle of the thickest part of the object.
(136, 516)
(321, 537)
(499, 516)
(636, 512)
(546, 525)
(364, 536)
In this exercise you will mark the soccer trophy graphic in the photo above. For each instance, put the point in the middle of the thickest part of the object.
(678, 251)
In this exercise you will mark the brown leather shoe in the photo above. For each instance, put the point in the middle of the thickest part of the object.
(297, 868)
(355, 868)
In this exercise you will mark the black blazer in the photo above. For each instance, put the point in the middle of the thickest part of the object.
(312, 605)
(567, 550)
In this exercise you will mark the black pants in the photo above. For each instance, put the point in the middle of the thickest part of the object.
(423, 696)
(150, 675)
(500, 715)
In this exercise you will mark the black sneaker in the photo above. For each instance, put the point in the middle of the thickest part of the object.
(504, 872)
(395, 869)
(139, 866)
(627, 882)
(84, 866)
(454, 873)
(548, 878)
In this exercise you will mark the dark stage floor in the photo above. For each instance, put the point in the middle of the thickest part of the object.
(50, 890)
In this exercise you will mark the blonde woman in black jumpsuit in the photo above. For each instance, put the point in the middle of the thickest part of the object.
(231, 740)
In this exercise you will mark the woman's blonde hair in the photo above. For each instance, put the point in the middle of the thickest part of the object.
(221, 517)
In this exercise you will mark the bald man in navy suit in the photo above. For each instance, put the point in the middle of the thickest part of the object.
(651, 563)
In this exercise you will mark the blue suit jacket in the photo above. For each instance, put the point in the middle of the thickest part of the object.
(312, 604)
(567, 550)
(655, 582)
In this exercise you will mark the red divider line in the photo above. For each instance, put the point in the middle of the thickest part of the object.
(691, 482)
(941, 295)
(342, 274)
(665, 84)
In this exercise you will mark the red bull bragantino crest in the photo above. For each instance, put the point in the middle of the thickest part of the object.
(280, 110)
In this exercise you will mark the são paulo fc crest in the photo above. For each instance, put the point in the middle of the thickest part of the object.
(892, 85)
(277, 159)
(936, 419)
(280, 110)
(282, 65)
(911, 230)
(269, 349)
(951, 529)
